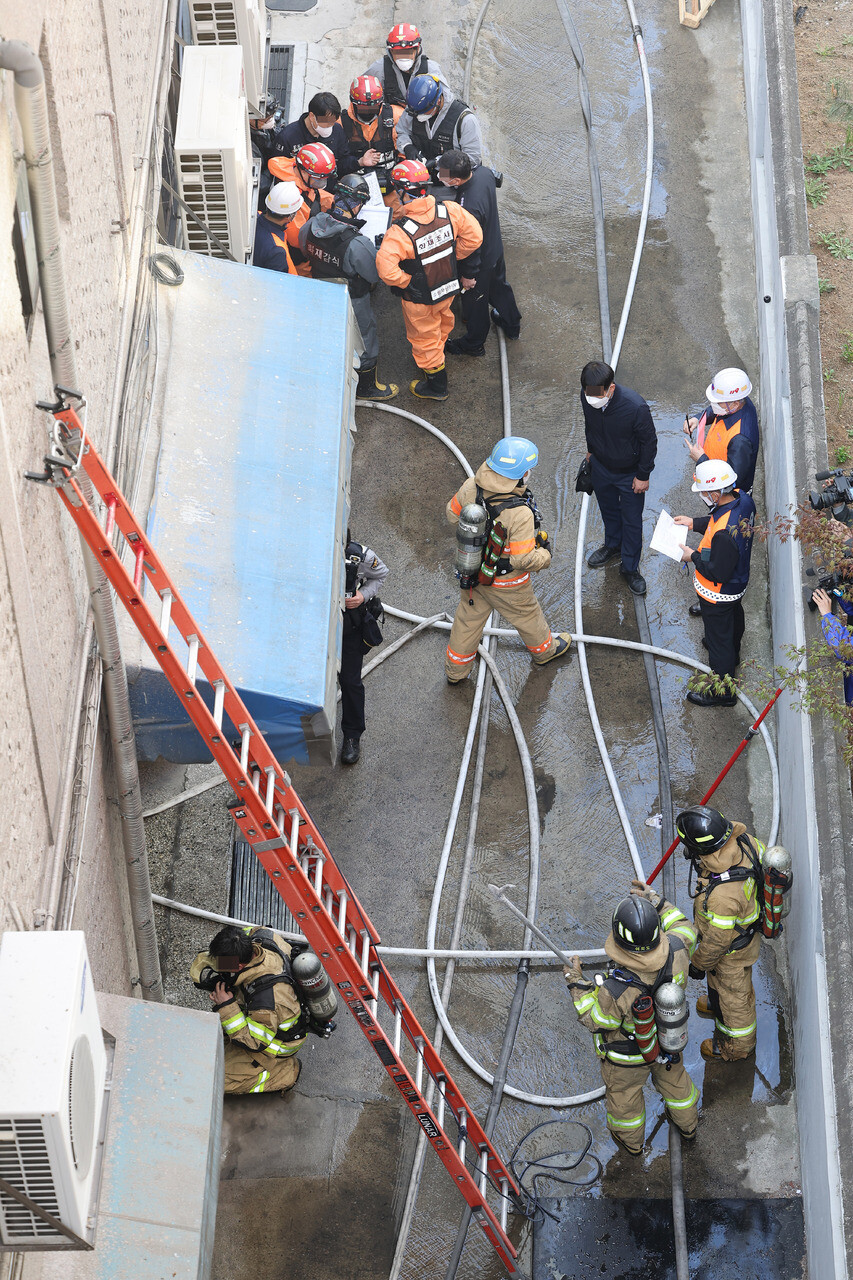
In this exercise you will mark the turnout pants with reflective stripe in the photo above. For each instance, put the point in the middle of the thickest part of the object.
(516, 603)
(626, 1107)
(732, 1001)
(427, 329)
(247, 1072)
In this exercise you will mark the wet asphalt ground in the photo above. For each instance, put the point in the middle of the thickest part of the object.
(313, 1185)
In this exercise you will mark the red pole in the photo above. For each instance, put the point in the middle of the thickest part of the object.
(750, 734)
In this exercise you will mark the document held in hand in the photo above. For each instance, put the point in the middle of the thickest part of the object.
(669, 538)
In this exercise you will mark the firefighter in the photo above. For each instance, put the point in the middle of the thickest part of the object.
(404, 59)
(650, 942)
(429, 251)
(370, 124)
(282, 205)
(434, 122)
(320, 123)
(728, 426)
(727, 915)
(500, 485)
(336, 250)
(491, 298)
(247, 974)
(720, 572)
(313, 170)
(365, 574)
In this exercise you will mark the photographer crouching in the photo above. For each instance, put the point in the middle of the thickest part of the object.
(838, 636)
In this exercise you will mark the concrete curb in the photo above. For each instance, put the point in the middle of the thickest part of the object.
(817, 812)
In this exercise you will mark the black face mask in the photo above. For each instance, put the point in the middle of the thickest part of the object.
(367, 113)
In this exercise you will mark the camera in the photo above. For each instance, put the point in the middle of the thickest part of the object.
(208, 979)
(837, 494)
(831, 583)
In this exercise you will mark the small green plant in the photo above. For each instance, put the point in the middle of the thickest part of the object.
(829, 375)
(816, 190)
(838, 244)
(842, 455)
(840, 157)
(826, 51)
(824, 285)
(847, 355)
(847, 41)
(840, 105)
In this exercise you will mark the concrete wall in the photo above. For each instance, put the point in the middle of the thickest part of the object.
(98, 56)
(816, 807)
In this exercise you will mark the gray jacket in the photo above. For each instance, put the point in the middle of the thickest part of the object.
(360, 256)
(377, 69)
(467, 136)
(371, 574)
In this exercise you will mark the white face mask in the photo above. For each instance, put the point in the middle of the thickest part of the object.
(597, 402)
(424, 116)
(709, 502)
(405, 64)
(324, 133)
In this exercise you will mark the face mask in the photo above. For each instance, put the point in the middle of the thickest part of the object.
(709, 502)
(405, 64)
(424, 116)
(324, 133)
(317, 184)
(597, 402)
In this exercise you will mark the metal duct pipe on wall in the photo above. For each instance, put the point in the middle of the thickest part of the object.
(31, 106)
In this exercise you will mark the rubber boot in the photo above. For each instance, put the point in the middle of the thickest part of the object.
(432, 386)
(370, 388)
(564, 644)
(703, 1008)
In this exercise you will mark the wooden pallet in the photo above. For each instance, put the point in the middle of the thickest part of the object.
(691, 12)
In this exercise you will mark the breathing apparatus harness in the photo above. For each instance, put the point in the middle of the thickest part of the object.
(616, 982)
(494, 562)
(754, 871)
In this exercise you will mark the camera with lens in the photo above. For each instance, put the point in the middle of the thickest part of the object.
(837, 494)
(209, 978)
(832, 583)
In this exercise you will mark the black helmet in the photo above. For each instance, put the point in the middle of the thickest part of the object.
(351, 193)
(636, 924)
(702, 830)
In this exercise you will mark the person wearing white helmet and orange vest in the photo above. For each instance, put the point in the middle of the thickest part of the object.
(403, 60)
(283, 202)
(720, 570)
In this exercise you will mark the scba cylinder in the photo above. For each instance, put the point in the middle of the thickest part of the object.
(645, 1029)
(313, 985)
(778, 868)
(671, 1017)
(470, 540)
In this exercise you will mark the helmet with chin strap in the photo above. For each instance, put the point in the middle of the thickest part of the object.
(404, 36)
(702, 830)
(350, 194)
(636, 924)
(423, 95)
(410, 177)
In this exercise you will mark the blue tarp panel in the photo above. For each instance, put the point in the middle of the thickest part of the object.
(250, 501)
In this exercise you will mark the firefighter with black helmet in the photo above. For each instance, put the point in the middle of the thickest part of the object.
(428, 254)
(335, 250)
(727, 914)
(404, 58)
(649, 945)
(247, 974)
(370, 124)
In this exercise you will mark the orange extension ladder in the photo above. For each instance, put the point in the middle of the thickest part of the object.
(273, 820)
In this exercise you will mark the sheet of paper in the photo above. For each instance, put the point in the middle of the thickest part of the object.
(669, 538)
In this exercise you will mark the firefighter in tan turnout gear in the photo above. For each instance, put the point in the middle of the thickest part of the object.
(506, 547)
(649, 946)
(248, 976)
(727, 914)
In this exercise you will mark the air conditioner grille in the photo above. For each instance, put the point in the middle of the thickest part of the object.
(215, 23)
(81, 1105)
(203, 184)
(25, 1165)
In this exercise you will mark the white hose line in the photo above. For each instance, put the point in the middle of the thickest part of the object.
(427, 426)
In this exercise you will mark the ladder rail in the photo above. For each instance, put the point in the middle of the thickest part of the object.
(319, 896)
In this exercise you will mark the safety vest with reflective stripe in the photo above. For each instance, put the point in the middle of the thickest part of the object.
(435, 274)
(738, 521)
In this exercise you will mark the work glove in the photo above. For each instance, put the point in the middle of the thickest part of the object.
(642, 890)
(694, 972)
(542, 540)
(572, 972)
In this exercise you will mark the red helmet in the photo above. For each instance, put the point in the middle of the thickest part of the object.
(365, 90)
(411, 177)
(403, 36)
(316, 158)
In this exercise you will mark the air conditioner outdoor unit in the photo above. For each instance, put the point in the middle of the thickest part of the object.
(213, 153)
(224, 22)
(52, 1075)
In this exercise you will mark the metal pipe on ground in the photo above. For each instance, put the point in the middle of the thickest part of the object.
(31, 106)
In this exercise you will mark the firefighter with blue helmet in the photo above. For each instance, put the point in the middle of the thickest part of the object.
(515, 546)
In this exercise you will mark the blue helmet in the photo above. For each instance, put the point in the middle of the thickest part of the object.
(513, 456)
(424, 92)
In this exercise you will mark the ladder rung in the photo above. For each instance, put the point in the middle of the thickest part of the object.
(463, 1132)
(483, 1164)
(244, 746)
(139, 558)
(442, 1103)
(270, 788)
(342, 912)
(166, 599)
(504, 1185)
(374, 982)
(318, 872)
(293, 842)
(192, 658)
(329, 899)
(419, 1066)
(352, 939)
(398, 1027)
(256, 779)
(219, 702)
(110, 522)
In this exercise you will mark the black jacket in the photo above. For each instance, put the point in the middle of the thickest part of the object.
(622, 436)
(288, 140)
(479, 195)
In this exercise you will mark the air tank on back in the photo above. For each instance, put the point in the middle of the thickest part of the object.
(315, 989)
(470, 540)
(671, 1016)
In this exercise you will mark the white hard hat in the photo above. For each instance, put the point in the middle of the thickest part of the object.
(728, 384)
(713, 476)
(284, 198)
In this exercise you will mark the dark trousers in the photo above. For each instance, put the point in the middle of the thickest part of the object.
(622, 512)
(349, 679)
(491, 290)
(724, 627)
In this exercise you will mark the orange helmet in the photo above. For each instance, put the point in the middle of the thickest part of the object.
(403, 36)
(316, 158)
(410, 177)
(365, 90)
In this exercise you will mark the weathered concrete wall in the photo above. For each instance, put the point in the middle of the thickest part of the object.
(97, 57)
(816, 804)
